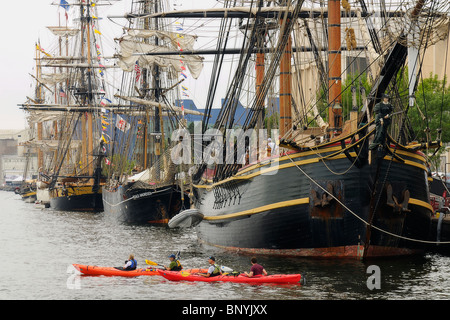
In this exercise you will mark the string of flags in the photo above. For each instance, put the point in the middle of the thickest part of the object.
(183, 76)
(138, 71)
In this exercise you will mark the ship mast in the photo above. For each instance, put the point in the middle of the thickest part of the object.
(334, 68)
(157, 90)
(285, 85)
(260, 59)
(89, 96)
(39, 100)
(261, 27)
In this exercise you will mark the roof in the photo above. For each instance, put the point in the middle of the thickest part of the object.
(10, 133)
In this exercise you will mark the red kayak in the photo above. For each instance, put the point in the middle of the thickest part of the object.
(242, 278)
(111, 271)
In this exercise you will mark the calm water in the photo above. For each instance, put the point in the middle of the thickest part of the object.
(38, 246)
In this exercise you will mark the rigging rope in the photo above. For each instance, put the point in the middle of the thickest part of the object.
(361, 219)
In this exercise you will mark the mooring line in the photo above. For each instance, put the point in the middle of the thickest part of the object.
(364, 221)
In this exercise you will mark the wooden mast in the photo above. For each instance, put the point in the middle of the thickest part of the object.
(157, 90)
(83, 118)
(90, 96)
(334, 67)
(39, 99)
(285, 86)
(259, 80)
(260, 60)
(146, 164)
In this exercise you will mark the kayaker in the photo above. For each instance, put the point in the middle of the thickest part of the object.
(213, 270)
(256, 269)
(174, 265)
(130, 264)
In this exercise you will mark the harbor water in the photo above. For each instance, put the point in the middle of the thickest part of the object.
(38, 247)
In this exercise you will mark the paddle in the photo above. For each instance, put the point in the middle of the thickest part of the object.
(152, 263)
(224, 269)
(185, 273)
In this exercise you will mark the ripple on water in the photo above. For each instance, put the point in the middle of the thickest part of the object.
(43, 243)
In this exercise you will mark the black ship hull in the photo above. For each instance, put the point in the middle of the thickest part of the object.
(76, 199)
(131, 204)
(283, 209)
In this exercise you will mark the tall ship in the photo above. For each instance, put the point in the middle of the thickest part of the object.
(332, 185)
(143, 185)
(72, 92)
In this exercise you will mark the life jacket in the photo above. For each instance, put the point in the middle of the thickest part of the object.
(133, 265)
(216, 271)
(178, 267)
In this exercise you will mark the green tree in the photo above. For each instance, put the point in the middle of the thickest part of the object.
(118, 163)
(432, 111)
(356, 81)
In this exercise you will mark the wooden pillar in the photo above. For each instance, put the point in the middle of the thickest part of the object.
(334, 67)
(285, 90)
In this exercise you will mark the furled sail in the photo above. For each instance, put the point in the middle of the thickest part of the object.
(132, 51)
(53, 78)
(184, 41)
(63, 31)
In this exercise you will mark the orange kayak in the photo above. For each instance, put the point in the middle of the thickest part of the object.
(117, 272)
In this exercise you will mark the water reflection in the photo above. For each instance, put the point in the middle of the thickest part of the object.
(43, 243)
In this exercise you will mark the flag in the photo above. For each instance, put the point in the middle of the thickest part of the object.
(64, 4)
(62, 94)
(42, 50)
(97, 32)
(121, 124)
(107, 161)
(183, 74)
(138, 71)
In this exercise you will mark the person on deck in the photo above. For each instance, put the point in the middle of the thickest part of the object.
(130, 264)
(270, 147)
(382, 112)
(174, 265)
(256, 269)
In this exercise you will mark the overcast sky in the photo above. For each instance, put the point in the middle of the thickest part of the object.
(23, 23)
